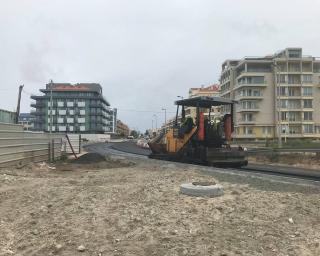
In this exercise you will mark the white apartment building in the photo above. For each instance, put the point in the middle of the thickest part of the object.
(278, 95)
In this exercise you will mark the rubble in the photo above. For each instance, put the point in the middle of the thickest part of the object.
(138, 210)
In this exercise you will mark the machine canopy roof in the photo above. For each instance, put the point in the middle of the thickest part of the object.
(205, 102)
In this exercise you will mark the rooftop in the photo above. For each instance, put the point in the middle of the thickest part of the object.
(88, 87)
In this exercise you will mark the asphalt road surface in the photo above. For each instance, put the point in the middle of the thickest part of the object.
(130, 147)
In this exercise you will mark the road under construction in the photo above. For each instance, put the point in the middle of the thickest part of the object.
(265, 171)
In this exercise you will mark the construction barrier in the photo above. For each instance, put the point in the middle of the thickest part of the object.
(18, 147)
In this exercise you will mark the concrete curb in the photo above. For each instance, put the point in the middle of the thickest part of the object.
(205, 191)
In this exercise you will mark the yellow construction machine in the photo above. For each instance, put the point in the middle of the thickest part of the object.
(204, 140)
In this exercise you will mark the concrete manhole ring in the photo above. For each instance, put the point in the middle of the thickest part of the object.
(205, 189)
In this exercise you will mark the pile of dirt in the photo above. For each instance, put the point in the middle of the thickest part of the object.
(89, 158)
(93, 161)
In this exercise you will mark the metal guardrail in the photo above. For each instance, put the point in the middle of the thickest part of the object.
(18, 147)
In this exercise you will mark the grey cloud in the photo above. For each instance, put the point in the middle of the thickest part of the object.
(144, 53)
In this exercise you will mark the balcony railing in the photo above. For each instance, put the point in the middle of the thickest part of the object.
(238, 85)
(246, 121)
(252, 109)
(239, 97)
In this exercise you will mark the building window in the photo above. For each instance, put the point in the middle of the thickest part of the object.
(60, 120)
(308, 128)
(71, 128)
(294, 79)
(60, 104)
(70, 120)
(266, 130)
(292, 92)
(249, 105)
(294, 53)
(284, 116)
(71, 112)
(307, 103)
(294, 67)
(62, 128)
(53, 112)
(283, 91)
(247, 130)
(81, 120)
(282, 78)
(82, 128)
(307, 116)
(294, 104)
(306, 78)
(307, 91)
(70, 104)
(53, 128)
(248, 117)
(81, 103)
(62, 112)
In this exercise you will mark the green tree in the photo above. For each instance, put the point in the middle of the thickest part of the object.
(134, 133)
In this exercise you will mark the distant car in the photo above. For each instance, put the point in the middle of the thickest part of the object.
(130, 137)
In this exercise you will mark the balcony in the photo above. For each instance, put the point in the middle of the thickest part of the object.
(244, 136)
(254, 109)
(36, 112)
(95, 105)
(264, 84)
(247, 121)
(291, 97)
(248, 97)
(37, 105)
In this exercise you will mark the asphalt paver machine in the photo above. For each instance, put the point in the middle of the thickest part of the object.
(205, 139)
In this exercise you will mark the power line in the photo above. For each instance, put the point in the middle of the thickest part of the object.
(141, 111)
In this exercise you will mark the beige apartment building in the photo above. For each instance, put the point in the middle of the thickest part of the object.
(278, 95)
(211, 91)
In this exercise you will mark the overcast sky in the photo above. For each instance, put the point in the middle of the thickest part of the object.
(143, 52)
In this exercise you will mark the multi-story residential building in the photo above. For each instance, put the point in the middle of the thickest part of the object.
(278, 95)
(122, 129)
(27, 121)
(79, 108)
(211, 91)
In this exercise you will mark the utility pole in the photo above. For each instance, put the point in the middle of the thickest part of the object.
(51, 105)
(165, 117)
(18, 105)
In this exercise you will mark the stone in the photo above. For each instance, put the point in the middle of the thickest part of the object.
(58, 246)
(35, 232)
(291, 220)
(81, 248)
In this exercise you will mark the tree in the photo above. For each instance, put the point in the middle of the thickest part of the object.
(134, 133)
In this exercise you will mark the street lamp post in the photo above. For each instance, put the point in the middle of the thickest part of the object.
(165, 116)
(156, 118)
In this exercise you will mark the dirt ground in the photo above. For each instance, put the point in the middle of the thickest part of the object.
(133, 207)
